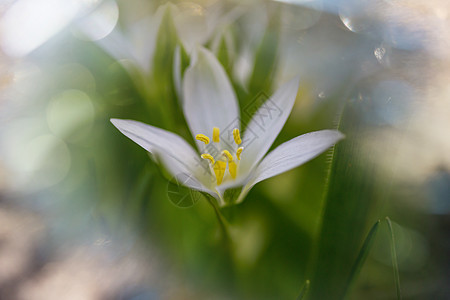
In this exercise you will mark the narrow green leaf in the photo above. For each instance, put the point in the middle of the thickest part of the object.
(354, 185)
(368, 242)
(223, 53)
(181, 62)
(185, 59)
(304, 290)
(394, 259)
(166, 42)
(162, 86)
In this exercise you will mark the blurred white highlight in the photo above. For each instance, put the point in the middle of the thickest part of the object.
(100, 23)
(27, 24)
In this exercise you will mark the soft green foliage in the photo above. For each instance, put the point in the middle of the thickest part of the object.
(307, 229)
(283, 243)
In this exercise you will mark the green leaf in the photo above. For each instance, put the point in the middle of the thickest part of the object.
(223, 53)
(166, 42)
(162, 91)
(394, 259)
(353, 187)
(185, 59)
(362, 255)
(180, 64)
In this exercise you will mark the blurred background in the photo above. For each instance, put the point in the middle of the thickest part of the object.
(85, 213)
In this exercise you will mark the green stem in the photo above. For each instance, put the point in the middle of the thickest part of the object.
(221, 220)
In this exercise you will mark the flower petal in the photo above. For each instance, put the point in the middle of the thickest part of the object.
(293, 153)
(171, 150)
(209, 99)
(267, 123)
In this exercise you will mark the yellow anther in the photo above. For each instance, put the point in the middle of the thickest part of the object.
(232, 167)
(202, 138)
(208, 157)
(216, 133)
(228, 155)
(237, 136)
(238, 152)
(219, 169)
(219, 166)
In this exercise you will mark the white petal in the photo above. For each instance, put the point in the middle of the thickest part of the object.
(267, 123)
(183, 174)
(171, 150)
(293, 153)
(209, 99)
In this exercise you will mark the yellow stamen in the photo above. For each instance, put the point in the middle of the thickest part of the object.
(219, 166)
(237, 136)
(228, 155)
(232, 167)
(219, 169)
(202, 138)
(216, 133)
(238, 152)
(208, 157)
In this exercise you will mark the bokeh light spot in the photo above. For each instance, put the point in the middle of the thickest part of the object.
(99, 23)
(43, 162)
(70, 115)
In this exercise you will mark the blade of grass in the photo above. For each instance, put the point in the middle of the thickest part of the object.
(353, 189)
(304, 290)
(367, 245)
(394, 259)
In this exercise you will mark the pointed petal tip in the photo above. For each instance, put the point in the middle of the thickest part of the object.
(117, 122)
(339, 135)
(295, 152)
(114, 121)
(333, 135)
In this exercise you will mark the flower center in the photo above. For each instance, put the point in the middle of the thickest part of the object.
(218, 162)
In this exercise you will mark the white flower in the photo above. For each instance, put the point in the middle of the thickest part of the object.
(226, 161)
